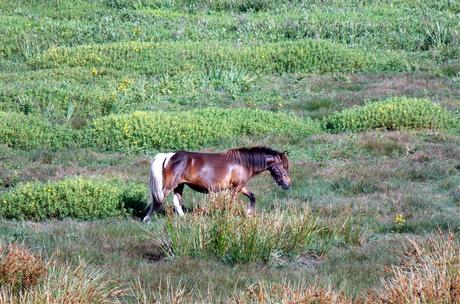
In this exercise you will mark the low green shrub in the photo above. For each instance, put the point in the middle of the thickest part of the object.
(144, 131)
(456, 123)
(21, 131)
(392, 114)
(75, 198)
(173, 58)
(27, 132)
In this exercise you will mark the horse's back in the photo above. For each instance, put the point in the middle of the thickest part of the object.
(206, 171)
(198, 159)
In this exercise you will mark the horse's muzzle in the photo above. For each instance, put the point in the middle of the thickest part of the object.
(284, 187)
(286, 183)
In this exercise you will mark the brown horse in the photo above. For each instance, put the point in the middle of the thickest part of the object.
(212, 172)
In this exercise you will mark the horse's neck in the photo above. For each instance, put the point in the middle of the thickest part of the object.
(242, 160)
(256, 171)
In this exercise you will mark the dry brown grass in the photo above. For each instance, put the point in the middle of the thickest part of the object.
(285, 293)
(220, 202)
(430, 274)
(19, 268)
(26, 279)
(166, 293)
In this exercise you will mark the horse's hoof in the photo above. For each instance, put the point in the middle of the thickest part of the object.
(146, 220)
(250, 212)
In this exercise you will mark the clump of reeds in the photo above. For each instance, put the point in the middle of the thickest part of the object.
(226, 233)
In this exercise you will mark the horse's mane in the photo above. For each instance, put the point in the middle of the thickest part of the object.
(254, 157)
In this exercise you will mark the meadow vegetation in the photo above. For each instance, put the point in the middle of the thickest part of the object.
(365, 96)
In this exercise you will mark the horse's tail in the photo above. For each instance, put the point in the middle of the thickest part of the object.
(157, 166)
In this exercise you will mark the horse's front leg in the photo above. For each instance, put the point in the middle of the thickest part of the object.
(252, 201)
(177, 199)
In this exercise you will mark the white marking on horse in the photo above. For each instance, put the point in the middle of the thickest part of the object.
(177, 205)
(159, 162)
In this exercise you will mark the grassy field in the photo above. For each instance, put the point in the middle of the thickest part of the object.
(364, 95)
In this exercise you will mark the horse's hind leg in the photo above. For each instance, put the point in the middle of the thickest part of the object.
(149, 214)
(177, 199)
(154, 206)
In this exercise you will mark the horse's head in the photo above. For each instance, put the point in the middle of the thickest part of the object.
(278, 165)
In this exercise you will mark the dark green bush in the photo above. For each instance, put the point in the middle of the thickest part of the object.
(144, 131)
(135, 197)
(392, 114)
(75, 198)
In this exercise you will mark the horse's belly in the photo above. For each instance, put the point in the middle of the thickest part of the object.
(198, 188)
(210, 187)
(210, 178)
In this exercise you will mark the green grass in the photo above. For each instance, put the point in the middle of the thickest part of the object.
(328, 176)
(410, 28)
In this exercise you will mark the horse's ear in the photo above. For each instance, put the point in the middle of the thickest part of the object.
(285, 159)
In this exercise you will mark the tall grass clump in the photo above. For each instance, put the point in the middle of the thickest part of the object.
(431, 274)
(392, 114)
(227, 235)
(75, 198)
(144, 131)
